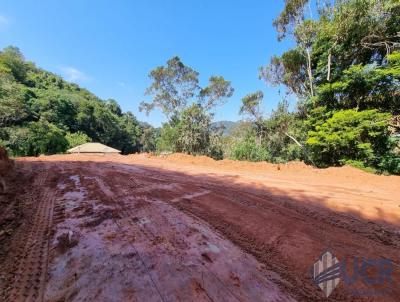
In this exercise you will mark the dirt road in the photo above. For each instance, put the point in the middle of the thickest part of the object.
(143, 228)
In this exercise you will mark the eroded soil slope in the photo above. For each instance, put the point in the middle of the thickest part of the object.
(144, 228)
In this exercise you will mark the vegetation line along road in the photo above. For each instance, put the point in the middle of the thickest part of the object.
(343, 69)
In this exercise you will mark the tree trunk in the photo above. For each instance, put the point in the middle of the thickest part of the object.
(309, 71)
(301, 146)
(328, 78)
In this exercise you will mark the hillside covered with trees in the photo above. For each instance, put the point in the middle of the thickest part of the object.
(40, 113)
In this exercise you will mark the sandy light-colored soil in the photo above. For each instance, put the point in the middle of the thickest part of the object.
(183, 228)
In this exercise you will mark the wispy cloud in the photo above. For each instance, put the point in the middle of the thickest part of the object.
(73, 74)
(121, 84)
(4, 21)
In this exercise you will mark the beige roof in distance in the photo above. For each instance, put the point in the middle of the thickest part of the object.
(93, 148)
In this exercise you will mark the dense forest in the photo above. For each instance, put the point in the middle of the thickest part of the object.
(343, 70)
(40, 113)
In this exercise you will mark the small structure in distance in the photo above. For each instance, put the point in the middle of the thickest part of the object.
(93, 148)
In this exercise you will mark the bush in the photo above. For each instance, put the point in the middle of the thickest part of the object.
(216, 147)
(45, 138)
(350, 135)
(359, 165)
(36, 138)
(249, 150)
(390, 164)
(168, 139)
(76, 139)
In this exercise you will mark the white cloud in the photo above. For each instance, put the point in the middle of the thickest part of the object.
(72, 74)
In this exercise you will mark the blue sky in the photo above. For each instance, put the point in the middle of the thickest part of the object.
(109, 47)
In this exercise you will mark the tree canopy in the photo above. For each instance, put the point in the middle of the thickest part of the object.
(344, 70)
(188, 107)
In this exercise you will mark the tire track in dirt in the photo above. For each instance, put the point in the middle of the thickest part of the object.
(161, 218)
(273, 253)
(270, 223)
(281, 206)
(225, 292)
(180, 199)
(31, 259)
(323, 226)
(124, 212)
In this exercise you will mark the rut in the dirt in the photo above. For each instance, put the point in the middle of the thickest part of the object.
(281, 232)
(147, 249)
(25, 264)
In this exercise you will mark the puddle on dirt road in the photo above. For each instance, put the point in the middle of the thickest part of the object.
(124, 247)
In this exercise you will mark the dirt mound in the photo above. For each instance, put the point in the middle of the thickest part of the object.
(263, 166)
(293, 167)
(5, 166)
(4, 160)
(202, 160)
(193, 159)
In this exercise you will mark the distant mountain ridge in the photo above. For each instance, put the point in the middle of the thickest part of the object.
(226, 125)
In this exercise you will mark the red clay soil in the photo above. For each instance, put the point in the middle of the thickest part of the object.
(5, 167)
(182, 228)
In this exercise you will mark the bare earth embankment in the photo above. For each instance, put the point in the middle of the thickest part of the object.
(179, 228)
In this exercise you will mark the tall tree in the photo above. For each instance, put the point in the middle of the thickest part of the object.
(172, 86)
(251, 106)
(176, 91)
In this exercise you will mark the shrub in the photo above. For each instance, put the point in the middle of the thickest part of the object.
(350, 135)
(77, 138)
(249, 150)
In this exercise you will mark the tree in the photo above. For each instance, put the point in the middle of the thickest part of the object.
(176, 91)
(148, 139)
(284, 130)
(291, 21)
(194, 130)
(176, 86)
(365, 87)
(305, 37)
(344, 70)
(129, 134)
(43, 138)
(12, 61)
(251, 106)
(217, 91)
(13, 109)
(113, 106)
(350, 135)
(168, 141)
(76, 139)
(55, 107)
(172, 86)
(290, 70)
(290, 16)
